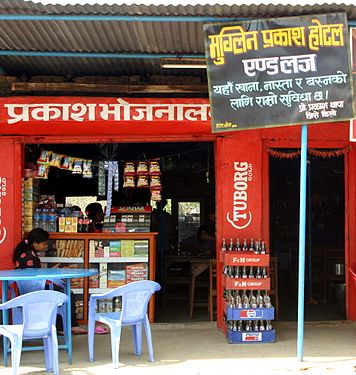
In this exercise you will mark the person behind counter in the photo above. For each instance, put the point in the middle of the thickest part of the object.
(95, 214)
(200, 244)
(26, 256)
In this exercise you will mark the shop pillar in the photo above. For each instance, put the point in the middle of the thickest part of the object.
(238, 193)
(10, 199)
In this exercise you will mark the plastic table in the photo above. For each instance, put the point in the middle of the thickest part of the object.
(7, 276)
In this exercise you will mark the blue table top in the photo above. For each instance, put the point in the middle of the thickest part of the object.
(44, 273)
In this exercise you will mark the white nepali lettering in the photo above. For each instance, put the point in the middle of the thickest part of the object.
(120, 111)
(283, 64)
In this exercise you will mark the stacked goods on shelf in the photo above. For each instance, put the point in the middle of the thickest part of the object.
(118, 248)
(30, 194)
(141, 248)
(127, 248)
(70, 248)
(136, 272)
(94, 281)
(116, 278)
(128, 219)
(246, 281)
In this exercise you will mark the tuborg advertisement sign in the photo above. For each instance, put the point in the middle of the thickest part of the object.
(281, 71)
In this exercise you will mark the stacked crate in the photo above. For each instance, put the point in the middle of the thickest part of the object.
(248, 309)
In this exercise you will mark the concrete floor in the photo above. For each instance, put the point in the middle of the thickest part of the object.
(200, 348)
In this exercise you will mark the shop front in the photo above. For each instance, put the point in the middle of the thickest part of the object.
(242, 161)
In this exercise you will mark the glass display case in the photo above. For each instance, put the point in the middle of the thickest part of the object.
(120, 258)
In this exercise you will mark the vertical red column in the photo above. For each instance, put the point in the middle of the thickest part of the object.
(238, 193)
(10, 199)
(350, 238)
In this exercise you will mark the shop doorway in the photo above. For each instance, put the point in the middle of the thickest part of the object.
(325, 233)
(188, 196)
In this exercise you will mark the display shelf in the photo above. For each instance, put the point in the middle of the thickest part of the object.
(246, 281)
(112, 270)
(250, 337)
(249, 314)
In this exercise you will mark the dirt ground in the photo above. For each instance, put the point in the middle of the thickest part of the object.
(200, 348)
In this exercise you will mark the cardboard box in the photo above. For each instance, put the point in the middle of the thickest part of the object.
(115, 283)
(127, 248)
(115, 249)
(103, 275)
(61, 224)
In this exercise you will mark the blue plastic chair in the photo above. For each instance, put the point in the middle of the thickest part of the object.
(135, 298)
(39, 311)
(27, 286)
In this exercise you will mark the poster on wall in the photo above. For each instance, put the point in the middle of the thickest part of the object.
(353, 60)
(279, 71)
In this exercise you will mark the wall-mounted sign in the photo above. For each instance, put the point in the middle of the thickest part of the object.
(98, 115)
(281, 71)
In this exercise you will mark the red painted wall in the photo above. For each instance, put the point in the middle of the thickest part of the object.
(10, 199)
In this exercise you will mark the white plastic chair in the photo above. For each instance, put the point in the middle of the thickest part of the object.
(39, 311)
(135, 297)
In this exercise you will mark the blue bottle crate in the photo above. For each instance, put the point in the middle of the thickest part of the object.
(250, 337)
(250, 314)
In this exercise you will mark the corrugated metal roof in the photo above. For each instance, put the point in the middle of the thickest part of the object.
(120, 36)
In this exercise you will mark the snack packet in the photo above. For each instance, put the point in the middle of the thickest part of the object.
(44, 157)
(42, 171)
(129, 167)
(129, 181)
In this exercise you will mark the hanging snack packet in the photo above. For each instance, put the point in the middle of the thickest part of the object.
(67, 163)
(44, 157)
(77, 166)
(42, 171)
(154, 167)
(87, 173)
(142, 181)
(142, 167)
(156, 195)
(155, 181)
(129, 181)
(129, 167)
(55, 160)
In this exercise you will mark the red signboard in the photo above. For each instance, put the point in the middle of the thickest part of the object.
(239, 189)
(247, 284)
(103, 116)
(233, 258)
